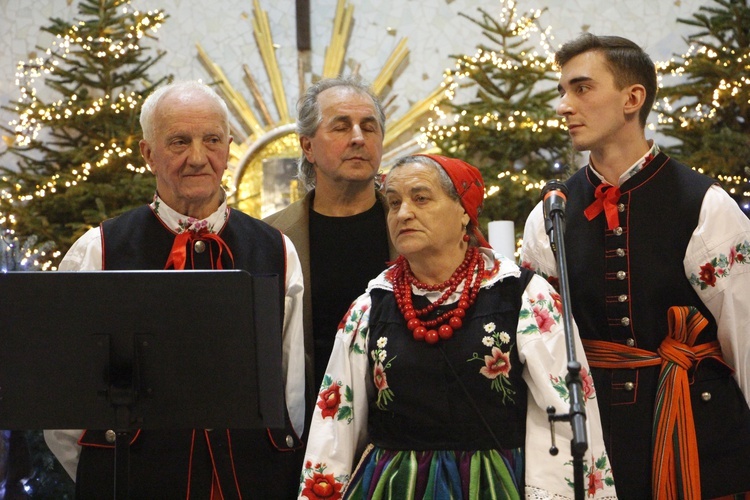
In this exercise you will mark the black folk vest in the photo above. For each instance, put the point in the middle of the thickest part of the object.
(622, 283)
(433, 410)
(180, 463)
(634, 273)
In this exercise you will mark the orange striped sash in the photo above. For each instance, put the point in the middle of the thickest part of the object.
(675, 465)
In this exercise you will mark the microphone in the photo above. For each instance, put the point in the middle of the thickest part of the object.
(554, 196)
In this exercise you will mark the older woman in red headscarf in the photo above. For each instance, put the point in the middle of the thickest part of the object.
(439, 380)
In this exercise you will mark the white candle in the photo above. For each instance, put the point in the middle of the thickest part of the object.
(502, 237)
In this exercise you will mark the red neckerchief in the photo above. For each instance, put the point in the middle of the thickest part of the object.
(178, 254)
(606, 199)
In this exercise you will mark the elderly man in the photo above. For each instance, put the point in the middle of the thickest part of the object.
(339, 227)
(189, 226)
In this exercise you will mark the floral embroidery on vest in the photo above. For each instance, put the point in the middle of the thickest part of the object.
(380, 364)
(497, 364)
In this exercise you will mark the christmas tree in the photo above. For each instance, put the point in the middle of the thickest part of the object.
(508, 127)
(78, 160)
(77, 163)
(706, 106)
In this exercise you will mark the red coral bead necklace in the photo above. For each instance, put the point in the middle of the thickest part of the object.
(470, 273)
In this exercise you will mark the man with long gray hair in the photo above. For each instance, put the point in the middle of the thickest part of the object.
(339, 227)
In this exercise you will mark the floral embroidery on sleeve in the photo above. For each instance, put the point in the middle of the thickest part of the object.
(380, 364)
(597, 473)
(546, 311)
(329, 400)
(350, 324)
(720, 266)
(497, 364)
(559, 384)
(346, 317)
(319, 485)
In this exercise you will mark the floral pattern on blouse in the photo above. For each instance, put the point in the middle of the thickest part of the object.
(497, 364)
(546, 311)
(349, 325)
(329, 400)
(317, 485)
(562, 387)
(597, 474)
(720, 266)
(180, 223)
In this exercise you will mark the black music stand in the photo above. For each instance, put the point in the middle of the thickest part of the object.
(127, 350)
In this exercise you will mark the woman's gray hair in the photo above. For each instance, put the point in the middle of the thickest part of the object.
(445, 182)
(309, 117)
(152, 101)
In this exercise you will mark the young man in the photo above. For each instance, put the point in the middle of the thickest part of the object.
(659, 284)
(189, 226)
(339, 227)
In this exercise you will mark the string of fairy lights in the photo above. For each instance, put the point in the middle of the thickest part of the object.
(444, 124)
(34, 114)
(701, 112)
(17, 255)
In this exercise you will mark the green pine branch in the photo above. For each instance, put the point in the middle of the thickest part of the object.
(707, 109)
(95, 75)
(519, 88)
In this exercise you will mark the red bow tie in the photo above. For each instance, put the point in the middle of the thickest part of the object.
(606, 199)
(178, 254)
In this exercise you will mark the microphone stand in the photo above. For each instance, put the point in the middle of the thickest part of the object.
(577, 413)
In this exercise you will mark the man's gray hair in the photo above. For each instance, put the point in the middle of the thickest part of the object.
(151, 103)
(309, 117)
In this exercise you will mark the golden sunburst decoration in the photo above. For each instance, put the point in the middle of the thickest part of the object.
(262, 138)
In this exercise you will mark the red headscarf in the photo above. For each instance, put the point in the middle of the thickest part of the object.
(470, 187)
